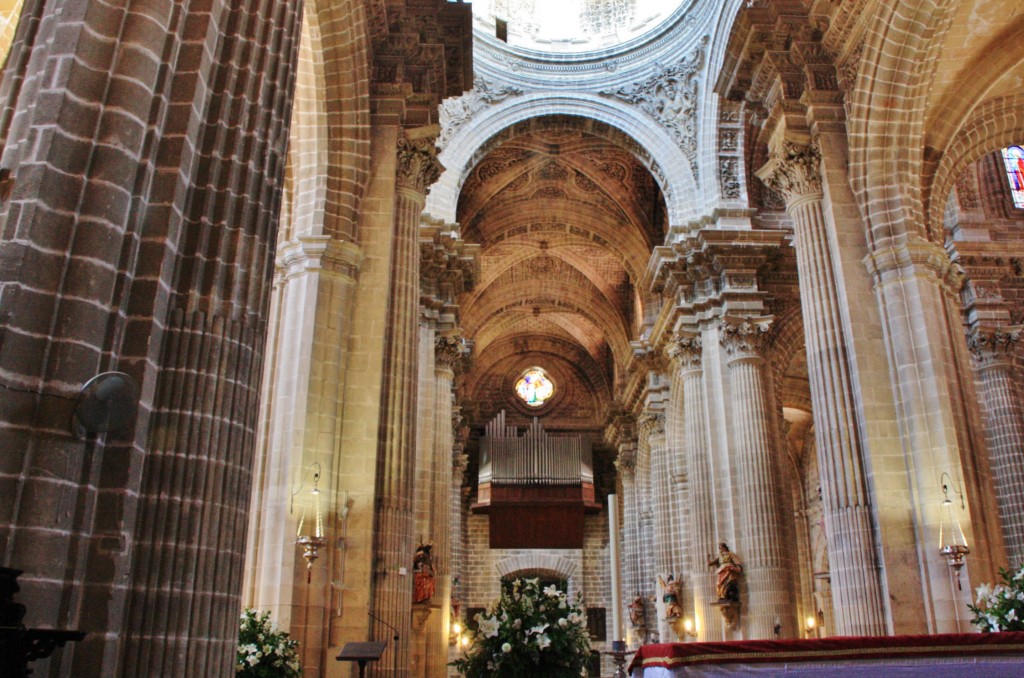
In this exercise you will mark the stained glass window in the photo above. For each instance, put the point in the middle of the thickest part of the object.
(535, 387)
(1013, 159)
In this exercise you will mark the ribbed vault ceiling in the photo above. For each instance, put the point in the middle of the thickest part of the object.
(566, 221)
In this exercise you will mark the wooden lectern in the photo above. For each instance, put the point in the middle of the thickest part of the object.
(362, 653)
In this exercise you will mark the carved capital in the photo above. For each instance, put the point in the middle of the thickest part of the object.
(993, 346)
(450, 352)
(651, 424)
(794, 170)
(685, 350)
(418, 166)
(745, 337)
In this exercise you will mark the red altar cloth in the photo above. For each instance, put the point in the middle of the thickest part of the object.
(675, 655)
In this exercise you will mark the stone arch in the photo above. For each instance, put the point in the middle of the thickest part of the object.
(993, 125)
(343, 33)
(532, 563)
(900, 57)
(623, 125)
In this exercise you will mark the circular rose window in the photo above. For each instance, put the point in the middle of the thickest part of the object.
(535, 387)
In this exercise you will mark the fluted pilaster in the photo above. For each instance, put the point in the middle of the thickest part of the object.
(794, 170)
(393, 538)
(763, 551)
(993, 359)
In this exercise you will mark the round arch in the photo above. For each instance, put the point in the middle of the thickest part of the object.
(993, 125)
(626, 126)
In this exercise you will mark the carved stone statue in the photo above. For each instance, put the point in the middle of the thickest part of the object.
(423, 578)
(636, 612)
(728, 572)
(670, 595)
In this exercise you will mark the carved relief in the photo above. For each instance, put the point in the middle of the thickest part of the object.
(456, 111)
(728, 175)
(670, 96)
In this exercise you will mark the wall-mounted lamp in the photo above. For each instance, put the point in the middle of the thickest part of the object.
(689, 629)
(952, 543)
(458, 636)
(810, 626)
(314, 541)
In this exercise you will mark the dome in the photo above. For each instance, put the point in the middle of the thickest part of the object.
(571, 26)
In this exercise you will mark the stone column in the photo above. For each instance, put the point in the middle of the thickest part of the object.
(794, 170)
(686, 354)
(764, 551)
(993, 351)
(449, 356)
(138, 236)
(632, 578)
(393, 547)
(651, 427)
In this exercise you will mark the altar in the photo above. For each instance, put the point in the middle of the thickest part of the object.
(988, 655)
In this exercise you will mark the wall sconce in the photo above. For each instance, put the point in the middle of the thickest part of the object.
(688, 628)
(952, 543)
(314, 541)
(457, 636)
(810, 626)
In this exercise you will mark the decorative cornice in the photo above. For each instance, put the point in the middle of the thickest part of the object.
(794, 170)
(671, 96)
(745, 337)
(418, 166)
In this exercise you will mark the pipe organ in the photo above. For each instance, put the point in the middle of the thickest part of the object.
(536, 487)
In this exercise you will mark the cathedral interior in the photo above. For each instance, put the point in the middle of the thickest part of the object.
(575, 290)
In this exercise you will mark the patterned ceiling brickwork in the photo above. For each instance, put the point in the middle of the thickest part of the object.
(566, 221)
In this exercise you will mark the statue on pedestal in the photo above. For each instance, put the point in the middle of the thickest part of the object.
(672, 590)
(423, 574)
(729, 568)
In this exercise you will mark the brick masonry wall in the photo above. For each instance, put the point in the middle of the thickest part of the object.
(145, 145)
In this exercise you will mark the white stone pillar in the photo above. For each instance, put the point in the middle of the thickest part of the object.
(764, 551)
(993, 352)
(794, 170)
(686, 353)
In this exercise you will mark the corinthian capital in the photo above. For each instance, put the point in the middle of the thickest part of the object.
(651, 424)
(991, 346)
(685, 350)
(450, 352)
(745, 337)
(794, 170)
(418, 166)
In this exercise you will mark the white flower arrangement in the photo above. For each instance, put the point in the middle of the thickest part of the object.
(528, 633)
(1000, 607)
(264, 651)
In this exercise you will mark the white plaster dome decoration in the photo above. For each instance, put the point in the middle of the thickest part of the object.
(573, 26)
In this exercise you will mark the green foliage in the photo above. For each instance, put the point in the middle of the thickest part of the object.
(1001, 608)
(263, 650)
(529, 631)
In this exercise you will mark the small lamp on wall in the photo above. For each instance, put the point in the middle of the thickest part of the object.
(810, 626)
(314, 540)
(952, 543)
(688, 628)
